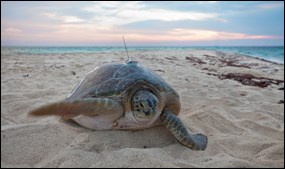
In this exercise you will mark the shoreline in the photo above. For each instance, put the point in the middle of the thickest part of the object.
(244, 122)
(148, 48)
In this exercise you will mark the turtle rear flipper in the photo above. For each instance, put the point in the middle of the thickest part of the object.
(85, 106)
(176, 127)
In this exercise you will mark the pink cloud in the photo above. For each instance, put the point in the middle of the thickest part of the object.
(86, 32)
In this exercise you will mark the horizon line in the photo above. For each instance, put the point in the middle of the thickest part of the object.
(144, 46)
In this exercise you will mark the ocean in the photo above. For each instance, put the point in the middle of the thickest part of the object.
(271, 53)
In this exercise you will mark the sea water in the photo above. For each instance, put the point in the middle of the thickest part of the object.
(271, 53)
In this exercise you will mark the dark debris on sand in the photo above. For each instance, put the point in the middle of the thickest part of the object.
(233, 64)
(195, 60)
(222, 61)
(248, 79)
(73, 72)
(171, 58)
(159, 70)
(210, 69)
(56, 66)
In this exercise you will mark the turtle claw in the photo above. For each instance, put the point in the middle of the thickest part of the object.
(201, 141)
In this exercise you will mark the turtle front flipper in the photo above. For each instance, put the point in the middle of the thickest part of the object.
(176, 127)
(86, 106)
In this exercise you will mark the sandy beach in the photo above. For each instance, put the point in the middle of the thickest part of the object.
(237, 101)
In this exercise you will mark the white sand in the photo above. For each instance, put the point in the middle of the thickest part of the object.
(244, 124)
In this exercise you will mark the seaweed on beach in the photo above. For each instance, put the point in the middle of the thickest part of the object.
(171, 58)
(194, 59)
(226, 61)
(233, 64)
(210, 69)
(251, 80)
(159, 70)
(209, 56)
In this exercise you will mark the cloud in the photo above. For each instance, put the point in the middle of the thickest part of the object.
(11, 33)
(192, 35)
(86, 33)
(206, 2)
(72, 19)
(272, 5)
(206, 35)
(120, 13)
(106, 22)
(111, 7)
(51, 15)
(63, 18)
(11, 30)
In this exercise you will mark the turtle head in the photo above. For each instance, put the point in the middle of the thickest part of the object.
(144, 105)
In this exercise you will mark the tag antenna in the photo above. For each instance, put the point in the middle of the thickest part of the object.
(126, 48)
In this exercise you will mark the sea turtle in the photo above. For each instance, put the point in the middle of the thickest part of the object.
(124, 96)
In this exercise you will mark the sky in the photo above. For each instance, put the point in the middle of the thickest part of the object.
(143, 23)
